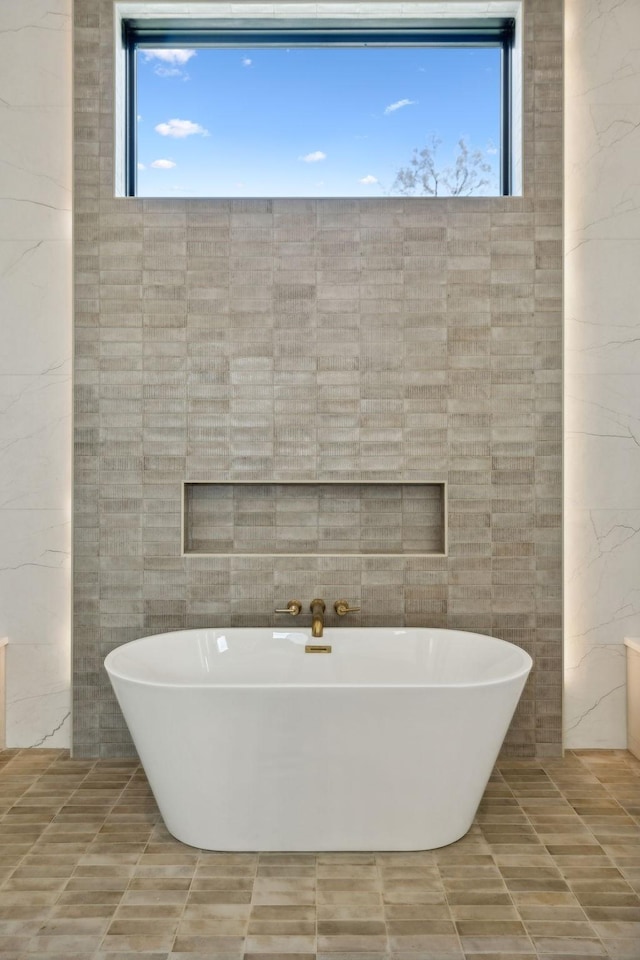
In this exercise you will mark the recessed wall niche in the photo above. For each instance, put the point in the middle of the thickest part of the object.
(320, 519)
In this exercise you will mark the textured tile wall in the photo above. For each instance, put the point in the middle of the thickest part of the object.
(294, 341)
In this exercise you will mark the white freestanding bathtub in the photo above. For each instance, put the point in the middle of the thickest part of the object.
(250, 743)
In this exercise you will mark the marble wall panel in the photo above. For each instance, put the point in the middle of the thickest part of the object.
(35, 367)
(602, 361)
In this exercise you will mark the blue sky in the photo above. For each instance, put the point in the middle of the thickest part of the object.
(307, 121)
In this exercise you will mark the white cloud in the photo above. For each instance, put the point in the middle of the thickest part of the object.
(163, 164)
(141, 166)
(161, 71)
(491, 148)
(174, 57)
(246, 62)
(180, 129)
(170, 62)
(398, 105)
(368, 179)
(314, 157)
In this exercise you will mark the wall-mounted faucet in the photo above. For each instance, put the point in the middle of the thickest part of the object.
(317, 608)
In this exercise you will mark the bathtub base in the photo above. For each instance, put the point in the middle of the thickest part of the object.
(321, 770)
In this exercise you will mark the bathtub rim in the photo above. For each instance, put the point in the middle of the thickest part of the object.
(523, 671)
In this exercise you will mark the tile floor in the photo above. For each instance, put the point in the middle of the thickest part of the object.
(550, 869)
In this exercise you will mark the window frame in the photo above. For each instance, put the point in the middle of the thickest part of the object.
(147, 32)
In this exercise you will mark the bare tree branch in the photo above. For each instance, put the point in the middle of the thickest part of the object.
(422, 177)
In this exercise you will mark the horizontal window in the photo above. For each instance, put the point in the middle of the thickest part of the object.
(329, 110)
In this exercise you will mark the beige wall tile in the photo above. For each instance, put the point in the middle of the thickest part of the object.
(401, 340)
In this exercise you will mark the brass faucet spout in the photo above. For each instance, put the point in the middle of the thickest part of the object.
(317, 612)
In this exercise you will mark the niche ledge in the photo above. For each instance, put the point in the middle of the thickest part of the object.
(314, 519)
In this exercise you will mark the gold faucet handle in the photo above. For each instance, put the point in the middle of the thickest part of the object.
(293, 607)
(342, 608)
